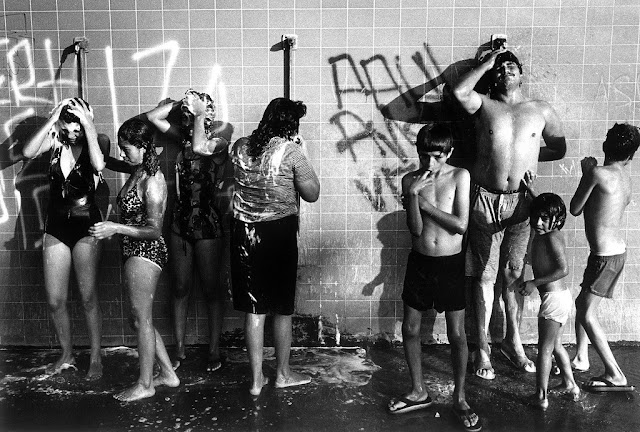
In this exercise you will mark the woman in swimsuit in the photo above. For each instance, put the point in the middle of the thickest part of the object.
(196, 237)
(77, 159)
(142, 202)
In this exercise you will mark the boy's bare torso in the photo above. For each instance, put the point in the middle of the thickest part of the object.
(441, 191)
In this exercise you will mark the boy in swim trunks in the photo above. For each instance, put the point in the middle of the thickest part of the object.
(603, 194)
(549, 264)
(436, 198)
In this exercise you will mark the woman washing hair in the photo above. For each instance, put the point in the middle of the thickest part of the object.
(77, 159)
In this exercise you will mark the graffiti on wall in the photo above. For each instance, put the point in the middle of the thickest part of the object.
(34, 89)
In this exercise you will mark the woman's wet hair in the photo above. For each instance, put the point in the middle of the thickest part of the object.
(622, 142)
(210, 111)
(551, 205)
(140, 135)
(434, 138)
(67, 116)
(281, 118)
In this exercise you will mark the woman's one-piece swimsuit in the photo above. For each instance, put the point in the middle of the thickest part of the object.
(195, 214)
(72, 208)
(133, 212)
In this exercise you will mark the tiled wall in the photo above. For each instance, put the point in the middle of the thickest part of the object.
(369, 70)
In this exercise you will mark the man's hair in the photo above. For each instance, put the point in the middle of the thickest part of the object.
(434, 138)
(622, 142)
(551, 205)
(507, 56)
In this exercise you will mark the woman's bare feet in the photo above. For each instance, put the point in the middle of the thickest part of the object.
(256, 386)
(95, 371)
(64, 362)
(136, 392)
(292, 379)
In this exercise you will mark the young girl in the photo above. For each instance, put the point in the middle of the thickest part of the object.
(142, 201)
(549, 264)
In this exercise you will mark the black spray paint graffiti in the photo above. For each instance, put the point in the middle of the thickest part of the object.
(399, 119)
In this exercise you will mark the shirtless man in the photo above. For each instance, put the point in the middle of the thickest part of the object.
(509, 130)
(603, 194)
(436, 198)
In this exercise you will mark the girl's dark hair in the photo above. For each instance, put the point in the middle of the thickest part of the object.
(69, 117)
(281, 118)
(551, 205)
(622, 142)
(140, 134)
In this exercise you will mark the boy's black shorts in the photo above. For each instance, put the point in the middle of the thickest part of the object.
(435, 282)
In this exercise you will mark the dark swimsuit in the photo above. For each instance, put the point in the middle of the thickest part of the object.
(195, 214)
(72, 208)
(133, 212)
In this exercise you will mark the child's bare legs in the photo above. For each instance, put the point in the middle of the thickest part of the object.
(413, 355)
(254, 338)
(547, 335)
(459, 354)
(568, 385)
(586, 313)
(581, 360)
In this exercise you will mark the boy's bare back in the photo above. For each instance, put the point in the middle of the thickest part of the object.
(603, 194)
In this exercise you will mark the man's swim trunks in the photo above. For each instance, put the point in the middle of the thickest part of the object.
(556, 306)
(498, 232)
(602, 273)
(434, 282)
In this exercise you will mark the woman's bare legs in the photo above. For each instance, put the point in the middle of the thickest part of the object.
(181, 262)
(209, 258)
(86, 256)
(141, 278)
(57, 267)
(254, 338)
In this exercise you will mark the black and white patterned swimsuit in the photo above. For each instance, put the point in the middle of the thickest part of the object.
(133, 212)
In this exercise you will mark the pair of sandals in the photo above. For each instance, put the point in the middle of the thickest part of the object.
(402, 405)
(484, 370)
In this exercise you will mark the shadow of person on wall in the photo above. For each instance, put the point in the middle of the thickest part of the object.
(396, 244)
(433, 101)
(29, 197)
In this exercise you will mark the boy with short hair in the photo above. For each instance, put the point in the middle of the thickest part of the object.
(603, 194)
(436, 198)
(549, 265)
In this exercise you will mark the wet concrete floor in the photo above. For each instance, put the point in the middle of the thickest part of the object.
(349, 392)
